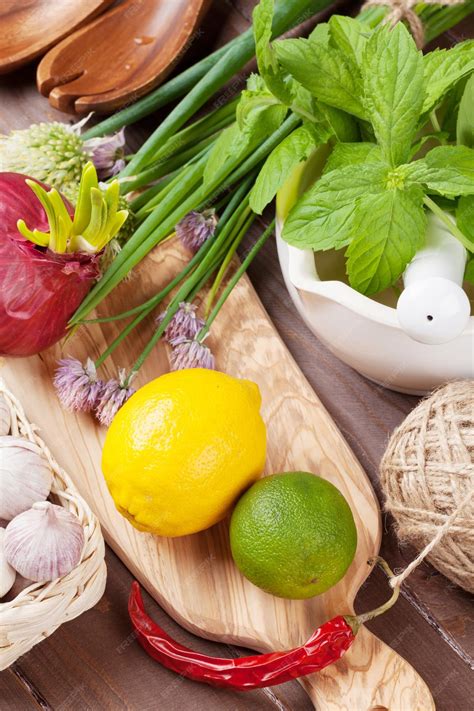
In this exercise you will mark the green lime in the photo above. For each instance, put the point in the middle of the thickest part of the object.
(293, 535)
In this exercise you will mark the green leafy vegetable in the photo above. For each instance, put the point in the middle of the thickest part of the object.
(465, 122)
(258, 116)
(350, 36)
(347, 154)
(388, 229)
(447, 170)
(343, 126)
(469, 273)
(280, 163)
(327, 75)
(220, 151)
(320, 34)
(393, 84)
(268, 64)
(465, 217)
(443, 68)
(322, 219)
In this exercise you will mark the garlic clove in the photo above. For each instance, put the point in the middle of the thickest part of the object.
(5, 416)
(44, 543)
(7, 573)
(25, 476)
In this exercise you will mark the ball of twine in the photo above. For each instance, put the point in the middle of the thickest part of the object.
(427, 474)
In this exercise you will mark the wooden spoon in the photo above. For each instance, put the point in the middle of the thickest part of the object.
(120, 56)
(30, 27)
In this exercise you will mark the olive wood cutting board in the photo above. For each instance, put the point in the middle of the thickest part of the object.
(194, 578)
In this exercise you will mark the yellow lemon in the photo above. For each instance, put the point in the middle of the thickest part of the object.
(182, 450)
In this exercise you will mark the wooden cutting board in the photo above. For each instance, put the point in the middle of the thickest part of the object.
(194, 577)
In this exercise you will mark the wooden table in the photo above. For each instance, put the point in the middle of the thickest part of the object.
(95, 662)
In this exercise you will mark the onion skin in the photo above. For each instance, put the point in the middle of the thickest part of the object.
(39, 289)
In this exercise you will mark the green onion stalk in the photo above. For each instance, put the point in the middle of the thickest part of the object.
(185, 193)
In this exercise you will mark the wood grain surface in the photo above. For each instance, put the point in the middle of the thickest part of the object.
(95, 663)
(30, 27)
(120, 56)
(194, 577)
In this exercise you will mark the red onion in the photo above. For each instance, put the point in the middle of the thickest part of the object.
(39, 289)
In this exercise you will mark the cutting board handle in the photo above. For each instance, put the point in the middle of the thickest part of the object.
(370, 677)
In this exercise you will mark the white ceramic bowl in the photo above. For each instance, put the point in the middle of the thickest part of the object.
(362, 332)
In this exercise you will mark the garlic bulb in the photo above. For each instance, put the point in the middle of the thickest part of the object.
(25, 476)
(44, 543)
(5, 417)
(7, 573)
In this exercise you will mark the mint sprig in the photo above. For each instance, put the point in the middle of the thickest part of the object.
(388, 230)
(371, 198)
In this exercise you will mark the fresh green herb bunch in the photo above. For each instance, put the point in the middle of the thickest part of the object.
(371, 199)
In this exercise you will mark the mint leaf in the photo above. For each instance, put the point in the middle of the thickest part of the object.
(294, 149)
(322, 218)
(447, 170)
(469, 273)
(465, 122)
(220, 152)
(267, 61)
(443, 68)
(350, 36)
(343, 126)
(254, 100)
(320, 34)
(388, 229)
(325, 73)
(347, 154)
(465, 217)
(439, 136)
(257, 121)
(392, 72)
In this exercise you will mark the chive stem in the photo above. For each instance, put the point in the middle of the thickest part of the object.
(240, 271)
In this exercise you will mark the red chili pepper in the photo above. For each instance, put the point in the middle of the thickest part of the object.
(325, 646)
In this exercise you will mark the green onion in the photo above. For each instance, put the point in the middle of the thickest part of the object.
(242, 48)
(203, 264)
(286, 14)
(238, 274)
(162, 221)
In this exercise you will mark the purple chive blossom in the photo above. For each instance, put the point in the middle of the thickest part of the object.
(195, 228)
(116, 392)
(184, 324)
(77, 385)
(107, 154)
(191, 354)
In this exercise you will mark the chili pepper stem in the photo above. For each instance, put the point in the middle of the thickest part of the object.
(355, 621)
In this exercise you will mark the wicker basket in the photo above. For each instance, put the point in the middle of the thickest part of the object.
(41, 607)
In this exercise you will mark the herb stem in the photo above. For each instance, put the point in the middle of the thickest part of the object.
(435, 122)
(250, 216)
(452, 226)
(240, 271)
(224, 69)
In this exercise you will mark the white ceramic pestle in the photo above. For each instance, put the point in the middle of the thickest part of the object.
(433, 307)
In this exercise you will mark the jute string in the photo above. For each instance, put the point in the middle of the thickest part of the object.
(427, 475)
(404, 10)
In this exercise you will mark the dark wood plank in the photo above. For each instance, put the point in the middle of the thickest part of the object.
(15, 695)
(95, 662)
